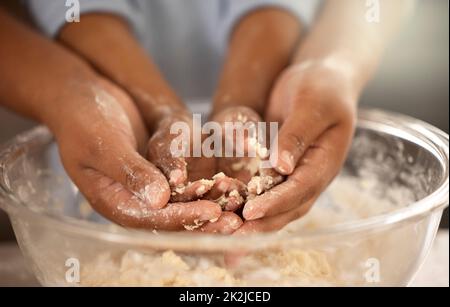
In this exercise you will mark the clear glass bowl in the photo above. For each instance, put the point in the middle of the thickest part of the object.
(394, 160)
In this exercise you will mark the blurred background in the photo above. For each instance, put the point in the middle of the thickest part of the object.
(412, 79)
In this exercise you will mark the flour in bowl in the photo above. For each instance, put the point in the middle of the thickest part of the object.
(346, 200)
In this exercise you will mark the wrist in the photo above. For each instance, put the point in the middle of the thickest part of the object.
(350, 66)
(155, 104)
(235, 98)
(330, 69)
(76, 101)
(69, 97)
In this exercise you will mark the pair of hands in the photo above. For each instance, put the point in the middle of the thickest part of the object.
(128, 177)
(315, 106)
(103, 134)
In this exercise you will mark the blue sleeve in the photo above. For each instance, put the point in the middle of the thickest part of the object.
(50, 15)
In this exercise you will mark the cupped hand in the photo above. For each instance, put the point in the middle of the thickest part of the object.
(102, 140)
(316, 107)
(193, 179)
(246, 169)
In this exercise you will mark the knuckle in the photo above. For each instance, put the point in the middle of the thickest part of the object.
(95, 148)
(134, 176)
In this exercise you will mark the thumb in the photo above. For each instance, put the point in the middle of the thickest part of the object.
(297, 133)
(128, 169)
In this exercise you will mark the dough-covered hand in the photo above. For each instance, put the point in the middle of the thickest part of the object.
(246, 169)
(188, 176)
(101, 140)
(240, 168)
(316, 109)
(192, 179)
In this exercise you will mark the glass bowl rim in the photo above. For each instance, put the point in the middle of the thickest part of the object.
(417, 131)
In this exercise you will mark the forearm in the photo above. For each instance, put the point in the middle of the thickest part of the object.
(261, 45)
(344, 39)
(108, 44)
(38, 78)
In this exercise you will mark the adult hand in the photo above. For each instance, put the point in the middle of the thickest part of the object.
(316, 106)
(101, 139)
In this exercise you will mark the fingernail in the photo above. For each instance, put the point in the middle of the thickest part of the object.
(236, 224)
(251, 212)
(231, 226)
(285, 163)
(175, 176)
(223, 186)
(151, 195)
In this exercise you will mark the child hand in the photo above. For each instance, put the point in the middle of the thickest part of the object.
(192, 178)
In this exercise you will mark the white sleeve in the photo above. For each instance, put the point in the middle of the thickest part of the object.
(50, 15)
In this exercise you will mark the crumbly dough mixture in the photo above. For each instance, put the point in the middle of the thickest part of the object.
(134, 268)
(347, 199)
(261, 180)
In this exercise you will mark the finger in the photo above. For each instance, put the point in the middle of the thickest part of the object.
(296, 134)
(124, 165)
(228, 192)
(227, 223)
(159, 152)
(119, 205)
(192, 191)
(260, 184)
(224, 184)
(231, 201)
(178, 216)
(316, 169)
(281, 198)
(274, 223)
(235, 116)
